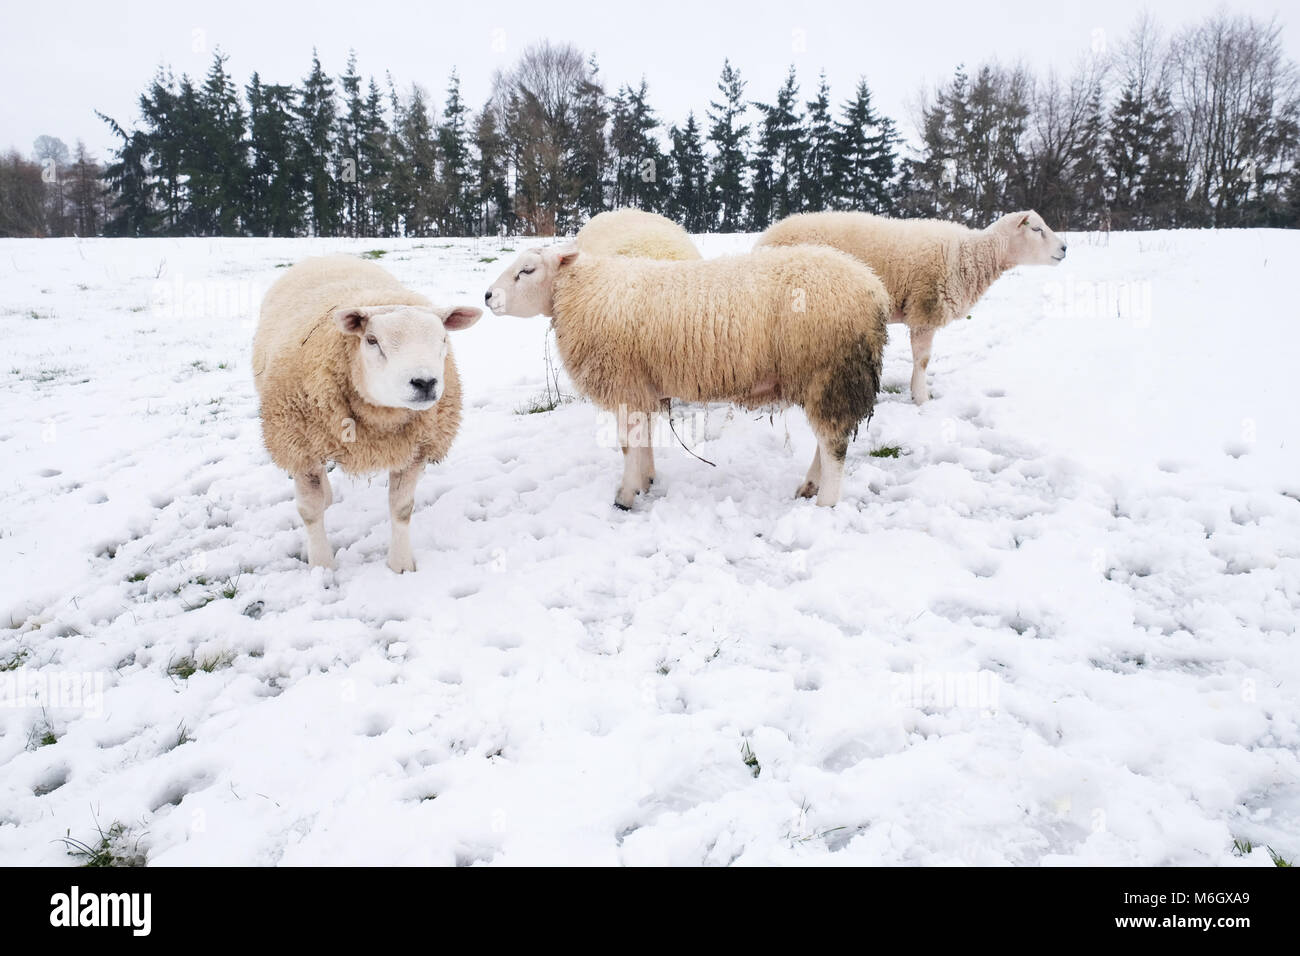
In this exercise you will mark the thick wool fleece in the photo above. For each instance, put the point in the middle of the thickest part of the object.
(635, 233)
(803, 326)
(935, 271)
(303, 366)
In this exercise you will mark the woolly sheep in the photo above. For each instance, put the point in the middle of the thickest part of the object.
(802, 326)
(935, 271)
(354, 368)
(640, 235)
(635, 233)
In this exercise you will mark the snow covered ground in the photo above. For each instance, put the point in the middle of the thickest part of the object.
(1058, 628)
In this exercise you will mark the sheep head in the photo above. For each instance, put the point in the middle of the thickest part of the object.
(527, 288)
(1029, 241)
(399, 354)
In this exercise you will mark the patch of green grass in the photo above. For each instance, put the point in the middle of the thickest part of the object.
(182, 736)
(749, 759)
(1246, 847)
(886, 451)
(47, 738)
(488, 259)
(538, 404)
(374, 254)
(136, 308)
(507, 249)
(138, 577)
(283, 265)
(184, 668)
(892, 389)
(110, 849)
(39, 314)
(14, 660)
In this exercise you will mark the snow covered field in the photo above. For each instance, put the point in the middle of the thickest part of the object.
(1058, 628)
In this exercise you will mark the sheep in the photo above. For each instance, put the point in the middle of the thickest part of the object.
(635, 233)
(352, 367)
(798, 326)
(642, 235)
(935, 271)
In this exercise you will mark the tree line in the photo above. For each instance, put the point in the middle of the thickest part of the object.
(1200, 128)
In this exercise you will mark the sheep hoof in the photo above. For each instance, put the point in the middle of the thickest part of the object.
(620, 506)
(401, 565)
(807, 490)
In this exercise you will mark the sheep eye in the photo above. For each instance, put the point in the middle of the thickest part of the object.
(371, 340)
(1037, 229)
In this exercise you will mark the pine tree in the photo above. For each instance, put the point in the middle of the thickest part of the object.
(728, 134)
(493, 190)
(688, 202)
(162, 149)
(817, 187)
(864, 160)
(1142, 160)
(779, 157)
(639, 163)
(375, 167)
(216, 154)
(351, 120)
(317, 150)
(415, 158)
(277, 185)
(589, 157)
(130, 190)
(454, 152)
(194, 213)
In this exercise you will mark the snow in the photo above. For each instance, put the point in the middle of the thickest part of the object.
(1059, 628)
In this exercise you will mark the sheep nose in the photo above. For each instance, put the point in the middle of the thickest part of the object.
(487, 297)
(424, 386)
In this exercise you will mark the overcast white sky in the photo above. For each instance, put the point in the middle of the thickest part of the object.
(61, 62)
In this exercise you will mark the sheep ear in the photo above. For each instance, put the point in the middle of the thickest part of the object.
(461, 317)
(565, 255)
(350, 320)
(1024, 221)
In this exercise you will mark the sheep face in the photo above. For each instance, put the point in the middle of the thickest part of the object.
(400, 354)
(1030, 242)
(527, 288)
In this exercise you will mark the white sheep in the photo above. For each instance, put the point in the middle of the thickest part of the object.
(802, 326)
(354, 368)
(935, 271)
(635, 233)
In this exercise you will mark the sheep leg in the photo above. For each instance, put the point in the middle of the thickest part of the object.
(401, 502)
(832, 452)
(314, 496)
(921, 339)
(638, 459)
(813, 480)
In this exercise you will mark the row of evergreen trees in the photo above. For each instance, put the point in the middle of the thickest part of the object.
(1201, 129)
(354, 158)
